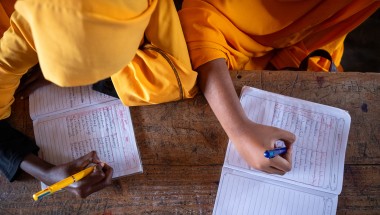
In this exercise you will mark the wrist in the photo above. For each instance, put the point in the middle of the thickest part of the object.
(36, 167)
(237, 127)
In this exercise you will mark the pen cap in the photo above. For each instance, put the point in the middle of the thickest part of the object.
(41, 193)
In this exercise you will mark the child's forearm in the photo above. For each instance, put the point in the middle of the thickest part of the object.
(249, 138)
(37, 168)
(216, 85)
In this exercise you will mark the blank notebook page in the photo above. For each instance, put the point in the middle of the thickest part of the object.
(240, 193)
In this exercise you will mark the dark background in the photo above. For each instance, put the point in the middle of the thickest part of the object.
(362, 47)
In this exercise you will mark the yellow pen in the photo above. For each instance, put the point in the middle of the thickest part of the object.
(62, 184)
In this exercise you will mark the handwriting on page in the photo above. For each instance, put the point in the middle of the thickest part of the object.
(87, 130)
(313, 184)
(318, 140)
(317, 135)
(51, 99)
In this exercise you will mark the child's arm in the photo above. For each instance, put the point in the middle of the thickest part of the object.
(50, 174)
(250, 139)
(17, 152)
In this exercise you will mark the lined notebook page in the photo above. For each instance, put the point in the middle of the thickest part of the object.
(105, 128)
(71, 122)
(52, 99)
(322, 133)
(242, 193)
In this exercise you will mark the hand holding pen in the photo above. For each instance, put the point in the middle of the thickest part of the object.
(280, 149)
(254, 139)
(90, 180)
(63, 183)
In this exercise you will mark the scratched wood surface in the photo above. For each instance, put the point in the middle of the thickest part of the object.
(182, 146)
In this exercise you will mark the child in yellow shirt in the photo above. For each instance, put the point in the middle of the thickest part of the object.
(139, 45)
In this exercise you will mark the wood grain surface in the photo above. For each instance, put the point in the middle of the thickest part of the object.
(182, 147)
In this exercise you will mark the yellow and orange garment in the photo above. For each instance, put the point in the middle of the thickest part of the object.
(259, 34)
(82, 42)
(6, 9)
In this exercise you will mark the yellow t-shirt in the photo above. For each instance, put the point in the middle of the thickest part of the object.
(81, 42)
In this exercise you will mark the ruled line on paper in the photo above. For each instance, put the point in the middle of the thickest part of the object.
(313, 184)
(52, 99)
(241, 193)
(68, 136)
(317, 152)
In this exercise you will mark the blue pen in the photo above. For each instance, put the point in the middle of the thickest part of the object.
(272, 153)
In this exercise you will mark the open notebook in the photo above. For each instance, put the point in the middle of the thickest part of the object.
(70, 122)
(316, 178)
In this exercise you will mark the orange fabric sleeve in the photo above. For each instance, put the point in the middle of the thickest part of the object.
(17, 55)
(151, 78)
(251, 34)
(210, 34)
(8, 6)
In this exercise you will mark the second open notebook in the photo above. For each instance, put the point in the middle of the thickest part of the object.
(316, 178)
(70, 122)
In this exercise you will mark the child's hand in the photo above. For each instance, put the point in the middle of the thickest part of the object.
(250, 139)
(254, 139)
(97, 180)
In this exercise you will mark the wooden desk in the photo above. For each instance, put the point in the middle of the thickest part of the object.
(182, 146)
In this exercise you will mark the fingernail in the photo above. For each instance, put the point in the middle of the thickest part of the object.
(102, 164)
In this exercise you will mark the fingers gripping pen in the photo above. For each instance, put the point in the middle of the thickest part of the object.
(62, 184)
(272, 153)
